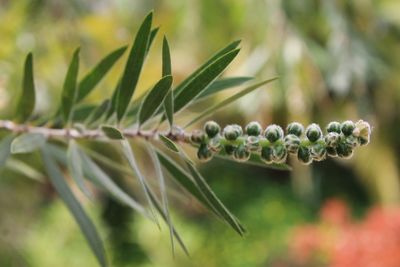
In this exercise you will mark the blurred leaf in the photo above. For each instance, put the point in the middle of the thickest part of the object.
(75, 168)
(228, 101)
(5, 149)
(214, 200)
(153, 34)
(26, 170)
(154, 99)
(27, 142)
(127, 150)
(222, 84)
(90, 81)
(69, 92)
(98, 113)
(255, 160)
(26, 103)
(166, 70)
(133, 67)
(197, 85)
(217, 55)
(97, 175)
(169, 143)
(112, 132)
(84, 222)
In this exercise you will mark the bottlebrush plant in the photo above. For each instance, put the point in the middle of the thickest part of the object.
(62, 139)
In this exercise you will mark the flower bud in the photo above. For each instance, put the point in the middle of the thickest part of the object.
(304, 155)
(198, 137)
(363, 132)
(333, 127)
(313, 132)
(292, 143)
(318, 151)
(331, 151)
(347, 127)
(344, 150)
(238, 128)
(279, 153)
(253, 128)
(252, 143)
(211, 128)
(332, 139)
(352, 141)
(266, 154)
(273, 133)
(215, 144)
(229, 149)
(231, 132)
(295, 128)
(241, 153)
(204, 154)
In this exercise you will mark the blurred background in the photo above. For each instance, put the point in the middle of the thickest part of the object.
(336, 60)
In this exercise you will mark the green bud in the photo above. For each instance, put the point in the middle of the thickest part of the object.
(215, 144)
(363, 132)
(232, 132)
(344, 150)
(292, 143)
(229, 149)
(279, 153)
(241, 153)
(238, 128)
(347, 128)
(332, 139)
(333, 127)
(211, 128)
(204, 154)
(252, 143)
(198, 137)
(313, 132)
(273, 133)
(253, 128)
(267, 154)
(331, 151)
(295, 128)
(352, 141)
(304, 155)
(318, 151)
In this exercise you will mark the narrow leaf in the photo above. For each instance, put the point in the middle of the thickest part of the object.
(84, 222)
(166, 70)
(169, 143)
(133, 67)
(26, 102)
(26, 170)
(112, 132)
(75, 168)
(98, 113)
(228, 101)
(197, 85)
(69, 92)
(5, 146)
(153, 34)
(154, 99)
(94, 77)
(223, 84)
(27, 142)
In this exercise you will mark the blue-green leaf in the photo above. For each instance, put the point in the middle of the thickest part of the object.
(154, 99)
(27, 142)
(26, 102)
(112, 132)
(84, 222)
(166, 70)
(223, 84)
(69, 93)
(169, 143)
(5, 147)
(133, 67)
(94, 77)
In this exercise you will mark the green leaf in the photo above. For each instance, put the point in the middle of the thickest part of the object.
(84, 222)
(153, 34)
(27, 142)
(97, 175)
(214, 200)
(197, 85)
(75, 167)
(94, 77)
(112, 132)
(166, 70)
(26, 170)
(154, 99)
(128, 153)
(69, 93)
(228, 101)
(26, 102)
(223, 84)
(133, 67)
(98, 113)
(169, 143)
(217, 55)
(5, 147)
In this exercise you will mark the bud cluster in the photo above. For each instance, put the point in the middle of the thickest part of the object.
(308, 144)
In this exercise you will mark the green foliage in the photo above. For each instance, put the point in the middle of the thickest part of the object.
(27, 99)
(69, 93)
